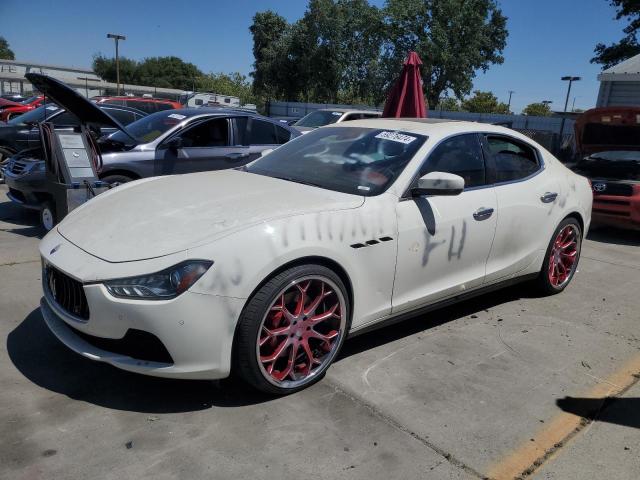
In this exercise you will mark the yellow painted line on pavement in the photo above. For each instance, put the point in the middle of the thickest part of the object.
(549, 440)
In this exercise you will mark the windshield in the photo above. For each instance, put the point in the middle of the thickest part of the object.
(614, 165)
(149, 128)
(34, 116)
(29, 100)
(318, 118)
(359, 161)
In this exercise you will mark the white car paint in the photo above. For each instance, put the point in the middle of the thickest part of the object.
(251, 225)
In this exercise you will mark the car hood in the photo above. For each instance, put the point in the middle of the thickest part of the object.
(72, 101)
(163, 215)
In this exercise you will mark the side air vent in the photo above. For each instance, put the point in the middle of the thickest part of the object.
(369, 243)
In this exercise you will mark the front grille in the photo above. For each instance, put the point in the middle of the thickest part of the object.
(17, 167)
(612, 202)
(137, 344)
(67, 292)
(611, 188)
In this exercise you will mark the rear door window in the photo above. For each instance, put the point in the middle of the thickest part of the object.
(262, 133)
(513, 159)
(65, 119)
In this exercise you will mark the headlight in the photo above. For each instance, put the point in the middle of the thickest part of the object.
(162, 285)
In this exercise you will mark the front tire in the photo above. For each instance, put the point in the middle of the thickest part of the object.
(561, 260)
(291, 329)
(48, 215)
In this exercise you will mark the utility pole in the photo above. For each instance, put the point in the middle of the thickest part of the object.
(511, 92)
(570, 79)
(117, 38)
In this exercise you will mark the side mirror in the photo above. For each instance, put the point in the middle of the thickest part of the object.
(266, 152)
(438, 183)
(175, 143)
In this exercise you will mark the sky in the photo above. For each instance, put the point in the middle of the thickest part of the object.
(547, 38)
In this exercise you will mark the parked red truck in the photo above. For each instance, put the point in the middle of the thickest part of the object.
(608, 143)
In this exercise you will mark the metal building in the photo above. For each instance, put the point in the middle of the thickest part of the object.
(620, 84)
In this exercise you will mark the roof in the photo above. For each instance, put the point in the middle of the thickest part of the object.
(629, 70)
(435, 127)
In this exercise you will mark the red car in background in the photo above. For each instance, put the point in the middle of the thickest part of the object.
(29, 104)
(608, 142)
(146, 104)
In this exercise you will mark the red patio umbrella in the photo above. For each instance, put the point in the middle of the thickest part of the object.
(406, 99)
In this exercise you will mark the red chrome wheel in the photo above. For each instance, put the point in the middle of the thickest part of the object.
(301, 331)
(563, 256)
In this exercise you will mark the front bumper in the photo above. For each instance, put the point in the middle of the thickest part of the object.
(27, 190)
(618, 211)
(196, 329)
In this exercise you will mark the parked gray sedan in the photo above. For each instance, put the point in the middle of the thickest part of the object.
(190, 140)
(163, 143)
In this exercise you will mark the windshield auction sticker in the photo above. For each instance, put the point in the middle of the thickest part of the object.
(177, 116)
(396, 137)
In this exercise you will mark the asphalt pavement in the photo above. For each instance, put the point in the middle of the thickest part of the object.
(508, 385)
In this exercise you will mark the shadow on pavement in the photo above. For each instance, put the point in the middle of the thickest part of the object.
(41, 358)
(620, 411)
(19, 220)
(613, 235)
(435, 318)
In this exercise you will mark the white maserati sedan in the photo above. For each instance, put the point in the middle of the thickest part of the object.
(265, 270)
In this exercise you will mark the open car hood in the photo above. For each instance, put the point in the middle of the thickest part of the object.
(72, 101)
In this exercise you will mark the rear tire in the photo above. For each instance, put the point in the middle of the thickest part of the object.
(561, 259)
(48, 215)
(291, 329)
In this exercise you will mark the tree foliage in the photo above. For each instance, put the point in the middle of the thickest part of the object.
(484, 102)
(5, 52)
(163, 72)
(351, 51)
(537, 109)
(449, 104)
(628, 46)
(234, 84)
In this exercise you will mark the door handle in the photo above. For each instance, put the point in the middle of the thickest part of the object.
(548, 197)
(236, 155)
(482, 213)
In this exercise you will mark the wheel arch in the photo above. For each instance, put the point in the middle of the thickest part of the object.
(327, 262)
(576, 215)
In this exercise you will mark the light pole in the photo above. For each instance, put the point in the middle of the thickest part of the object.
(573, 104)
(570, 79)
(117, 38)
(511, 92)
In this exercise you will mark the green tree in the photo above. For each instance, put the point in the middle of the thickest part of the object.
(267, 29)
(537, 109)
(454, 38)
(5, 52)
(234, 84)
(484, 102)
(167, 72)
(449, 104)
(164, 72)
(628, 46)
(331, 54)
(105, 68)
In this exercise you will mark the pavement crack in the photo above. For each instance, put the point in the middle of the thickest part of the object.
(9, 264)
(398, 426)
(612, 263)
